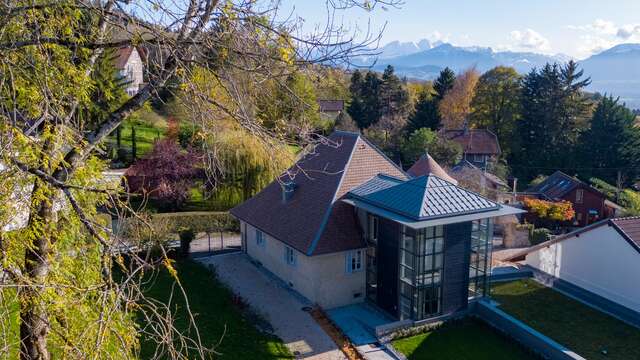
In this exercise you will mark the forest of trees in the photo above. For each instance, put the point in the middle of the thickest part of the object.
(544, 120)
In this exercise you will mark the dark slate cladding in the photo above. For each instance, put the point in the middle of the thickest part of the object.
(457, 245)
(388, 244)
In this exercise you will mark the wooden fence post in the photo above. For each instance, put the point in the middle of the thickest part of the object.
(134, 147)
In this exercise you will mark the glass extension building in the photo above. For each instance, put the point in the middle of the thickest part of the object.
(431, 264)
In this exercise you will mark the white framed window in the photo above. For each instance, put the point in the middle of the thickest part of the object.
(478, 157)
(354, 260)
(290, 256)
(579, 196)
(260, 238)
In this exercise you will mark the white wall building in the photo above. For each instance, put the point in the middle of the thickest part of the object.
(130, 65)
(603, 258)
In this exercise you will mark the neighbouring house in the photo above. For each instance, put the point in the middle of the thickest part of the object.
(602, 259)
(330, 109)
(479, 146)
(129, 63)
(427, 165)
(590, 205)
(346, 225)
(481, 181)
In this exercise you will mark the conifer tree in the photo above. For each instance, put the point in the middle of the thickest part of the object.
(611, 144)
(444, 83)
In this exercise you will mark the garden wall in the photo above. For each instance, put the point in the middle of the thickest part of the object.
(524, 334)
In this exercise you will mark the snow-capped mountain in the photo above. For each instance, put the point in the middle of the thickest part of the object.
(457, 58)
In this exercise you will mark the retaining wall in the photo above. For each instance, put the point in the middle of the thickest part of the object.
(527, 336)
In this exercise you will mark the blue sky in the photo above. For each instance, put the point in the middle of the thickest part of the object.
(577, 28)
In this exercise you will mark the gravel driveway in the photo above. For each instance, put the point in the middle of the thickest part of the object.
(283, 309)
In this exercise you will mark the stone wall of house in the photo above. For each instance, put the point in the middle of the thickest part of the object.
(133, 72)
(322, 279)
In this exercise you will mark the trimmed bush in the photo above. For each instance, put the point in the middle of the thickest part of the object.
(186, 237)
(539, 235)
(199, 221)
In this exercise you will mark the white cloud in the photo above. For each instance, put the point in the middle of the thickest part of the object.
(529, 39)
(437, 37)
(603, 34)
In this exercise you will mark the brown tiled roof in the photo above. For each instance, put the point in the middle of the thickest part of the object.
(475, 141)
(122, 56)
(313, 221)
(427, 165)
(466, 170)
(331, 105)
(630, 228)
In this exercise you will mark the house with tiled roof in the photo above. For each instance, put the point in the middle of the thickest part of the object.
(600, 262)
(481, 181)
(479, 146)
(346, 225)
(130, 66)
(589, 204)
(427, 165)
(330, 109)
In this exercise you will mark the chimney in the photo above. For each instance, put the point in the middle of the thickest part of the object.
(288, 187)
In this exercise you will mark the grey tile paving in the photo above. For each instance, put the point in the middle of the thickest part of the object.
(278, 305)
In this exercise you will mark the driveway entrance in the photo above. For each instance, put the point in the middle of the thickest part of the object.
(280, 306)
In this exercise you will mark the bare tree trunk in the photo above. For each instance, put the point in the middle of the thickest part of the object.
(34, 323)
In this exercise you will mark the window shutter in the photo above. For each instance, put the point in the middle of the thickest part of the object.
(347, 265)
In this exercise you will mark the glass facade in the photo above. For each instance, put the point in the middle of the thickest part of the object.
(421, 267)
(480, 257)
(372, 265)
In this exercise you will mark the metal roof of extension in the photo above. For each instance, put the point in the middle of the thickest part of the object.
(424, 198)
(376, 183)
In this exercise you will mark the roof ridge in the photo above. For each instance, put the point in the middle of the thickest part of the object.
(384, 155)
(327, 214)
(626, 218)
(345, 132)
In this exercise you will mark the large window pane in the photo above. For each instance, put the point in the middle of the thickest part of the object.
(481, 238)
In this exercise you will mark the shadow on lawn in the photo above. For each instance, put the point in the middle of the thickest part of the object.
(587, 331)
(467, 339)
(223, 321)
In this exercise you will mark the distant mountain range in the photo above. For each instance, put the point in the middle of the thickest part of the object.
(615, 71)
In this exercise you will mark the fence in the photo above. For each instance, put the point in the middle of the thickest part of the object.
(215, 231)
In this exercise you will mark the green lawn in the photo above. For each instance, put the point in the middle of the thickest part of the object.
(466, 340)
(146, 135)
(211, 304)
(580, 328)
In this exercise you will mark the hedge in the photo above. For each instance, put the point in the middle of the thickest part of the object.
(199, 221)
(539, 235)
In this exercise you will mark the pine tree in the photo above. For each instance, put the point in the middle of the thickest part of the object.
(109, 90)
(444, 83)
(356, 106)
(611, 144)
(370, 98)
(426, 114)
(554, 111)
(394, 100)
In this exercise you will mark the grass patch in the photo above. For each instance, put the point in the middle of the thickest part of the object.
(211, 303)
(581, 328)
(468, 339)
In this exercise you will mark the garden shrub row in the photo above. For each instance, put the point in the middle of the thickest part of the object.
(198, 221)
